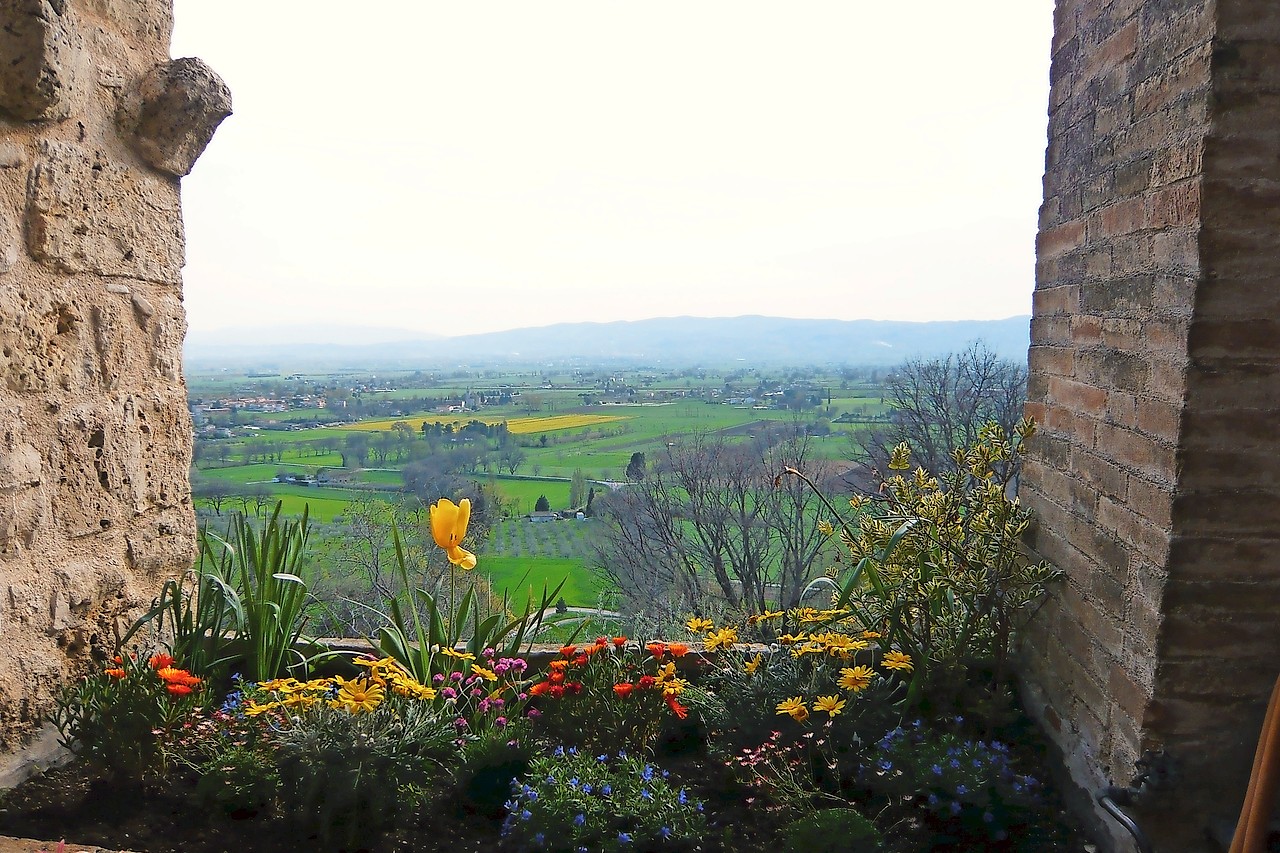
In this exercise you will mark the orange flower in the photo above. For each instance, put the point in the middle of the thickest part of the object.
(623, 690)
(161, 661)
(574, 687)
(118, 659)
(539, 688)
(602, 641)
(676, 708)
(580, 659)
(559, 665)
(116, 673)
(657, 649)
(178, 689)
(568, 651)
(678, 650)
(556, 678)
(619, 642)
(590, 650)
(172, 676)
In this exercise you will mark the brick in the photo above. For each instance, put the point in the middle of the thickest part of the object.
(1160, 419)
(1112, 368)
(1132, 254)
(1150, 500)
(1131, 697)
(1177, 162)
(1055, 300)
(1118, 47)
(1058, 361)
(1079, 396)
(1176, 251)
(1123, 217)
(1102, 476)
(1135, 176)
(1175, 205)
(1047, 331)
(1086, 331)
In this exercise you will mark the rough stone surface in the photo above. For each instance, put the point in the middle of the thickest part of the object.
(95, 440)
(89, 213)
(1155, 367)
(174, 112)
(39, 47)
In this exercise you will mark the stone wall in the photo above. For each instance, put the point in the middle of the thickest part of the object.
(1155, 370)
(97, 125)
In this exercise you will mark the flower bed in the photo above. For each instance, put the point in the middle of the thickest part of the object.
(884, 723)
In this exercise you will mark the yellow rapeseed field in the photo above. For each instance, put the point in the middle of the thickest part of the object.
(521, 426)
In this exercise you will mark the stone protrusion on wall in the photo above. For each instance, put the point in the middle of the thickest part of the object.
(1155, 370)
(95, 438)
(173, 113)
(40, 50)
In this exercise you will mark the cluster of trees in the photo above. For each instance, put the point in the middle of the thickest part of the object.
(712, 518)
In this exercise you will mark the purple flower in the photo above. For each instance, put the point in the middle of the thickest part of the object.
(534, 714)
(500, 722)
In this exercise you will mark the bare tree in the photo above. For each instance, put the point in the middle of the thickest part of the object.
(940, 404)
(709, 519)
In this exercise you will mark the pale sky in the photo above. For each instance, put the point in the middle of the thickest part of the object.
(467, 166)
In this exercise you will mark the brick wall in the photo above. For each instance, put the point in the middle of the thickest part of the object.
(1154, 371)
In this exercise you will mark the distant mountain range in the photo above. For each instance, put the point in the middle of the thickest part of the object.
(671, 341)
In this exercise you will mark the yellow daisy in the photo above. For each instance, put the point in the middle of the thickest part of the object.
(794, 708)
(856, 678)
(899, 661)
(832, 705)
(698, 625)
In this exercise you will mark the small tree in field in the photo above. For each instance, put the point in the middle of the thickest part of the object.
(542, 504)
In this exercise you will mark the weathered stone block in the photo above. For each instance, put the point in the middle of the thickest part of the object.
(172, 116)
(24, 499)
(86, 213)
(39, 48)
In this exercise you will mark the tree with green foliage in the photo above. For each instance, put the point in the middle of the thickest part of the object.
(636, 467)
(577, 489)
(542, 504)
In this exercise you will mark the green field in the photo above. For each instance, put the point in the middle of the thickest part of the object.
(521, 576)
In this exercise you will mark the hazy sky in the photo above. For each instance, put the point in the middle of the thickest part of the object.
(464, 166)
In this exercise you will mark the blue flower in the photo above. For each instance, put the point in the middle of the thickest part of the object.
(526, 814)
(580, 819)
(955, 807)
(961, 790)
(573, 783)
(586, 788)
(683, 798)
(573, 750)
(955, 763)
(937, 770)
(646, 793)
(624, 838)
(602, 758)
(539, 839)
(647, 774)
(665, 832)
(885, 764)
(559, 753)
(933, 799)
(988, 817)
(607, 789)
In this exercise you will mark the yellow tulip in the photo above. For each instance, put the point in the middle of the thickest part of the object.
(449, 526)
